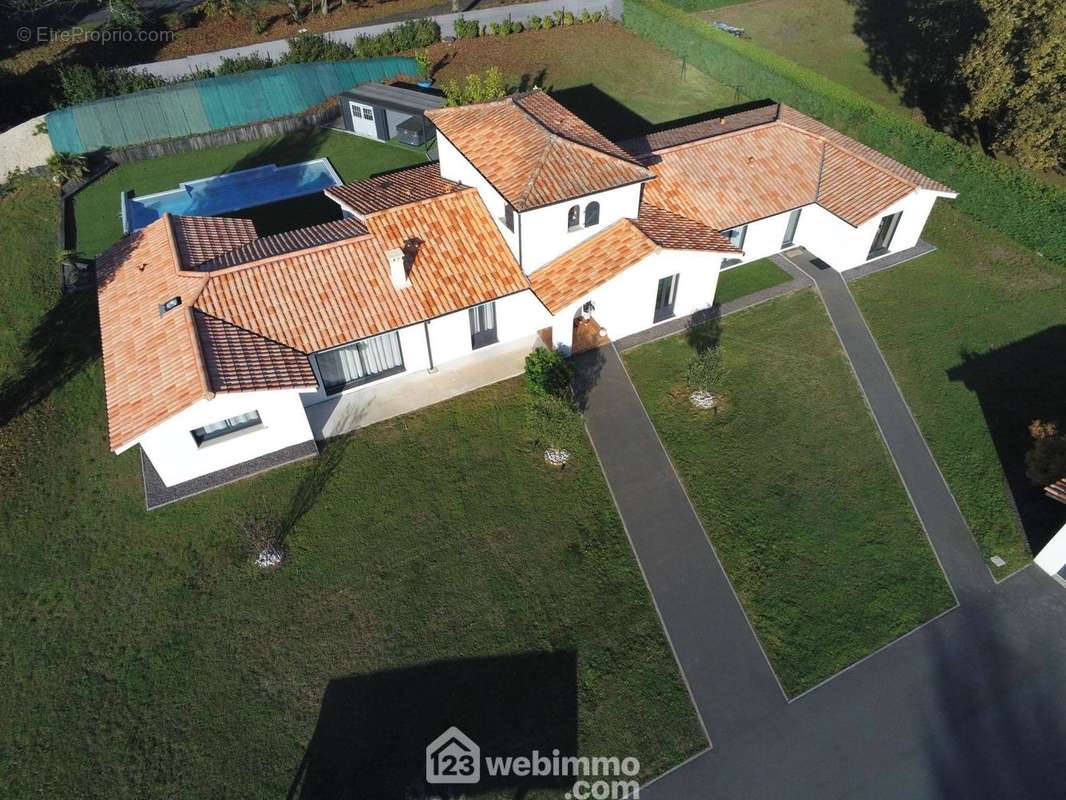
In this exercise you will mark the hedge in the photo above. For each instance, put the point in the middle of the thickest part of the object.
(1003, 197)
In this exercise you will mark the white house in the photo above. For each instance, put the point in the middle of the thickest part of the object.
(218, 343)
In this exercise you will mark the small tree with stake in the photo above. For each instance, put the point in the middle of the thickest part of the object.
(706, 369)
(555, 425)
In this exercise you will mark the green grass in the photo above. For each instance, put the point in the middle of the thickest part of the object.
(795, 489)
(978, 294)
(144, 656)
(97, 211)
(748, 279)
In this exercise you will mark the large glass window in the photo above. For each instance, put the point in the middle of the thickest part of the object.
(226, 427)
(364, 361)
(736, 235)
(483, 325)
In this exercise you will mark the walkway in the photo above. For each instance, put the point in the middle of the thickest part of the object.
(729, 677)
(928, 491)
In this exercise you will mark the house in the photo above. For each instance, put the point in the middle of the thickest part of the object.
(384, 111)
(220, 345)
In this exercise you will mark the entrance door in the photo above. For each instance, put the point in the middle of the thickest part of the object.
(790, 229)
(664, 298)
(363, 120)
(885, 231)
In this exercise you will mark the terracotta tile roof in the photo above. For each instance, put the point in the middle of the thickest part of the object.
(238, 360)
(794, 118)
(671, 230)
(393, 189)
(288, 242)
(758, 170)
(152, 363)
(340, 292)
(200, 239)
(534, 151)
(1057, 490)
(706, 129)
(592, 262)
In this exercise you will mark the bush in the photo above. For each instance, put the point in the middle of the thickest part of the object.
(81, 83)
(548, 373)
(533, 23)
(306, 47)
(548, 23)
(568, 18)
(477, 88)
(239, 64)
(409, 35)
(1000, 196)
(553, 423)
(65, 167)
(466, 29)
(706, 369)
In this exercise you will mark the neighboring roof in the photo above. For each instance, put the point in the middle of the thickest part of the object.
(674, 231)
(337, 293)
(200, 239)
(288, 242)
(384, 95)
(535, 152)
(241, 361)
(591, 263)
(1057, 490)
(393, 189)
(759, 169)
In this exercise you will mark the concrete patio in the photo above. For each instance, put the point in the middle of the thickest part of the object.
(414, 390)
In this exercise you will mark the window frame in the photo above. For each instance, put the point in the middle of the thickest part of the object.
(483, 337)
(203, 437)
(368, 377)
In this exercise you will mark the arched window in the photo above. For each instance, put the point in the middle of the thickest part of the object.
(592, 214)
(573, 217)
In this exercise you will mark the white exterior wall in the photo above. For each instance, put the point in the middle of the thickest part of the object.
(842, 246)
(626, 303)
(544, 233)
(177, 457)
(517, 315)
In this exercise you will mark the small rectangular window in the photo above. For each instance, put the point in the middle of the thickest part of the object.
(169, 305)
(508, 217)
(790, 228)
(216, 430)
(483, 325)
(736, 235)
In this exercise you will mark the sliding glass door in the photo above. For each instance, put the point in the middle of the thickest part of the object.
(364, 361)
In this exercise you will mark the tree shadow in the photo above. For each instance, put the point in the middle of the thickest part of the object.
(916, 46)
(704, 329)
(607, 115)
(330, 455)
(289, 215)
(372, 731)
(62, 343)
(1015, 385)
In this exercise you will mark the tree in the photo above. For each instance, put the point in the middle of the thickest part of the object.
(1016, 73)
(124, 14)
(706, 369)
(548, 373)
(554, 424)
(477, 88)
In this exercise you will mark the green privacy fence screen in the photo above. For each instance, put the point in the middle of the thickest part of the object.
(211, 104)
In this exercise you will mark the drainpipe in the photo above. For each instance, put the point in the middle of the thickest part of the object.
(429, 348)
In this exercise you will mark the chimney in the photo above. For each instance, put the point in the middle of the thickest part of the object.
(398, 268)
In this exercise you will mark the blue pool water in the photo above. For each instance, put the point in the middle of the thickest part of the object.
(232, 191)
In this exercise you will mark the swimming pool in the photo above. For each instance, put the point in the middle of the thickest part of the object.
(231, 191)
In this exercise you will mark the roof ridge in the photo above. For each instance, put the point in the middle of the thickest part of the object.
(721, 137)
(249, 331)
(821, 171)
(847, 151)
(538, 167)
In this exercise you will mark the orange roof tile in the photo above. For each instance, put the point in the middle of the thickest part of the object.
(239, 361)
(674, 231)
(340, 292)
(769, 167)
(534, 151)
(591, 263)
(152, 363)
(393, 189)
(199, 239)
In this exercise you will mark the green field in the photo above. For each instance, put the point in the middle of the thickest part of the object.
(795, 488)
(145, 656)
(983, 300)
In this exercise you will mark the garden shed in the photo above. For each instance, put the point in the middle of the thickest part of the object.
(388, 111)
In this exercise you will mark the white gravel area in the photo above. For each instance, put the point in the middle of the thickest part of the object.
(20, 149)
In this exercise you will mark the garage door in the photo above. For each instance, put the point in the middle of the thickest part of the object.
(363, 120)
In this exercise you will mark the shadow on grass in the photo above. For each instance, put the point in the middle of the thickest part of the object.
(704, 329)
(63, 342)
(330, 455)
(915, 47)
(1016, 384)
(372, 731)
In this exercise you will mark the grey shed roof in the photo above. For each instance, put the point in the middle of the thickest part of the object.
(412, 101)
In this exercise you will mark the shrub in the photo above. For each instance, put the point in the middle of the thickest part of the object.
(706, 369)
(409, 35)
(568, 18)
(1000, 196)
(423, 60)
(65, 167)
(495, 28)
(239, 64)
(548, 373)
(548, 23)
(466, 28)
(306, 47)
(477, 88)
(533, 23)
(1046, 462)
(585, 16)
(81, 83)
(553, 423)
(224, 8)
(258, 26)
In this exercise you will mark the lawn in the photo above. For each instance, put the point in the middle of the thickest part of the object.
(582, 67)
(96, 208)
(795, 488)
(747, 279)
(144, 656)
(975, 336)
